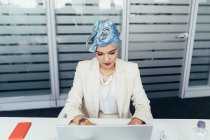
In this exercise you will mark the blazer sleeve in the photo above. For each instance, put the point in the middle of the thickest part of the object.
(75, 96)
(140, 100)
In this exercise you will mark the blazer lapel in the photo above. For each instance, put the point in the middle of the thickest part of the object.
(120, 85)
(93, 82)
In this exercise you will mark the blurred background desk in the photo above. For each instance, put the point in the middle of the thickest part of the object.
(45, 128)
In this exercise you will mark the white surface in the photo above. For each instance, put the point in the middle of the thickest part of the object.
(45, 128)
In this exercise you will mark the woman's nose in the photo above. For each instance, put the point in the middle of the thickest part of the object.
(106, 58)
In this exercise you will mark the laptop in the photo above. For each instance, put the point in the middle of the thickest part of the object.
(104, 132)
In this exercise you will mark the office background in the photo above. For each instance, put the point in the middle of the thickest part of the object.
(41, 42)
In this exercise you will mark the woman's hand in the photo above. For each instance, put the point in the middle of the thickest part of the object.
(136, 121)
(81, 120)
(87, 122)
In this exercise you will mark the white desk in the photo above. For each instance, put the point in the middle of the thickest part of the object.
(45, 128)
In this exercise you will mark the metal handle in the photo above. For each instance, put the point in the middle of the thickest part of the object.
(183, 35)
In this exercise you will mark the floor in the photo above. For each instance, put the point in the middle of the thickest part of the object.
(173, 107)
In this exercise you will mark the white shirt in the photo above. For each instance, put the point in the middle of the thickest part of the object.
(108, 102)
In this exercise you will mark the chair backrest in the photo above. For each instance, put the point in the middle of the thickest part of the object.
(62, 114)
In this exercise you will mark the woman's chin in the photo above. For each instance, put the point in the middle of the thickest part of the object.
(108, 67)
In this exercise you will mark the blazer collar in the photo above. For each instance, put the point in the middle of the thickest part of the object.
(95, 64)
(119, 66)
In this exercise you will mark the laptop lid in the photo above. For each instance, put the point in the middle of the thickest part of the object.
(104, 132)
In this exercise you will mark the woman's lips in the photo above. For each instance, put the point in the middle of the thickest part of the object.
(107, 64)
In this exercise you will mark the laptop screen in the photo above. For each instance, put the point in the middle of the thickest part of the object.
(104, 132)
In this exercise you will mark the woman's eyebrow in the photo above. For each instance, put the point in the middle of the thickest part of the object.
(112, 50)
(98, 52)
(108, 52)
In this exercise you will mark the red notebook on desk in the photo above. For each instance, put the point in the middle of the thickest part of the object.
(20, 131)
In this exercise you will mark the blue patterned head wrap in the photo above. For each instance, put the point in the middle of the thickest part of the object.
(104, 33)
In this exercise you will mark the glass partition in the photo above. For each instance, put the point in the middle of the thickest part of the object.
(24, 62)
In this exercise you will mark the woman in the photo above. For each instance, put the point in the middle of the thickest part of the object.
(104, 86)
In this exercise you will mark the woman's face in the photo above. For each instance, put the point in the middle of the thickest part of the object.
(107, 56)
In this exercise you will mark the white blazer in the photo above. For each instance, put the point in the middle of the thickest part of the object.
(83, 98)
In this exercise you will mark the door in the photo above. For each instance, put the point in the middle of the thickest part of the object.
(198, 56)
(158, 32)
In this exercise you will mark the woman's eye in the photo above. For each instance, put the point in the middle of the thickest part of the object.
(99, 54)
(112, 53)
